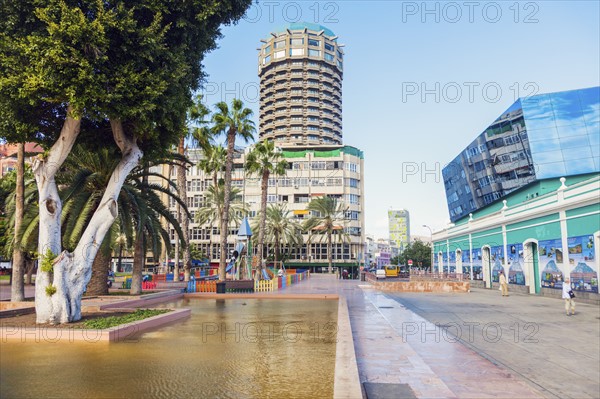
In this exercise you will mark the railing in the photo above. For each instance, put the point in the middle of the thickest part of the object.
(278, 283)
(146, 285)
(202, 286)
(274, 284)
(264, 285)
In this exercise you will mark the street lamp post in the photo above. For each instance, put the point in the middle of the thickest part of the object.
(431, 240)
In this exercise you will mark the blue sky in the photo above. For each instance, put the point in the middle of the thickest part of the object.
(422, 80)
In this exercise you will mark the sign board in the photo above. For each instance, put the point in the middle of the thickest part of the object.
(410, 262)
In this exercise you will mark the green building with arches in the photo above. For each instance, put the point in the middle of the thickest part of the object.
(524, 198)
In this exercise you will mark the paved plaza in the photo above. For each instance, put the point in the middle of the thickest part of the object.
(519, 346)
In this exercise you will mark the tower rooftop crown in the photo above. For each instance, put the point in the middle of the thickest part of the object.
(307, 25)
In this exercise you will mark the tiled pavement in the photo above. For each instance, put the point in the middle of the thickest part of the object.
(514, 347)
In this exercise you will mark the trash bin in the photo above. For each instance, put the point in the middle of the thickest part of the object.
(221, 287)
(363, 276)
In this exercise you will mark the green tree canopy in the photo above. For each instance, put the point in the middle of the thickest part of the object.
(419, 252)
(136, 60)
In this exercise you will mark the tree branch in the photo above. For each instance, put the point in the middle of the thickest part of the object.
(108, 210)
(61, 149)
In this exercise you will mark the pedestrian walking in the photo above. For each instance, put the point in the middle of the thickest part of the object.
(569, 296)
(503, 283)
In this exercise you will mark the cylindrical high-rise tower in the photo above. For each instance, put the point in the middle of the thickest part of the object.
(300, 70)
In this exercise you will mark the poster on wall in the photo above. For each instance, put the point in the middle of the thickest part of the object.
(516, 262)
(466, 262)
(497, 254)
(452, 262)
(550, 263)
(584, 275)
(477, 264)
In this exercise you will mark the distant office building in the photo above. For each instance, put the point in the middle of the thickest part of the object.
(399, 227)
(525, 198)
(538, 137)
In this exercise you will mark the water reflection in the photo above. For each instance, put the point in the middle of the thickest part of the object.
(246, 348)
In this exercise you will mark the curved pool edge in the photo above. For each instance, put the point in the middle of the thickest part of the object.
(346, 381)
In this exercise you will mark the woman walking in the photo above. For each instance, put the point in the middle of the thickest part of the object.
(568, 296)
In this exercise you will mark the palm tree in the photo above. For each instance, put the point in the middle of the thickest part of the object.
(263, 160)
(84, 176)
(213, 161)
(328, 219)
(281, 229)
(150, 232)
(234, 123)
(22, 236)
(196, 114)
(211, 213)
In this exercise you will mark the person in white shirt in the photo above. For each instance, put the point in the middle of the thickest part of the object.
(569, 302)
(503, 283)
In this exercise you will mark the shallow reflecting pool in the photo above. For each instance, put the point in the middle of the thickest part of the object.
(239, 348)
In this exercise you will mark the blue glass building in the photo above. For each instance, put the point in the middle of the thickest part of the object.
(538, 137)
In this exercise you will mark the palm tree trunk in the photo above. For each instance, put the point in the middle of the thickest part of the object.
(183, 218)
(29, 266)
(329, 254)
(138, 265)
(277, 253)
(176, 260)
(227, 193)
(264, 187)
(98, 281)
(18, 257)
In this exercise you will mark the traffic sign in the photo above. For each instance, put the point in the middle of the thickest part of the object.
(410, 262)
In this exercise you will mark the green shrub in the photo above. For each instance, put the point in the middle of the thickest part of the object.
(111, 321)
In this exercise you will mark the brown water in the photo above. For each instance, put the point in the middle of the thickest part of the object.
(250, 348)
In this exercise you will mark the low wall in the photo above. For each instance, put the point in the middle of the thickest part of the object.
(420, 286)
(10, 309)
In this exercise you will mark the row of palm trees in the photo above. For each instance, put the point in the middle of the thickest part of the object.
(84, 176)
(264, 160)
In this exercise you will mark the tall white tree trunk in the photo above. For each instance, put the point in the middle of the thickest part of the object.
(72, 271)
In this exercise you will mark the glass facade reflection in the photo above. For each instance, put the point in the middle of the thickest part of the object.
(538, 137)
